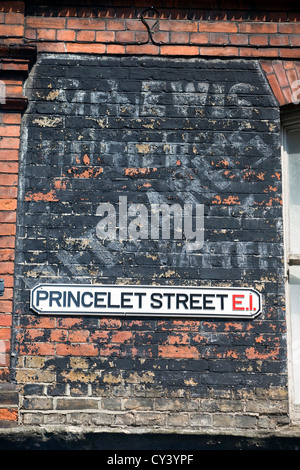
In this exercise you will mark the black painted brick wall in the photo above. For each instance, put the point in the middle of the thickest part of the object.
(155, 130)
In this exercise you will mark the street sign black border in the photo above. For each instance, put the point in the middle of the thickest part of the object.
(143, 314)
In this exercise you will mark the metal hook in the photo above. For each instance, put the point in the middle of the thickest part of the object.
(150, 30)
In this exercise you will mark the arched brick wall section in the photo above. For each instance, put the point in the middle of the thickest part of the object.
(284, 78)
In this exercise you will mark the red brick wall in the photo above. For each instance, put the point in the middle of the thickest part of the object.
(224, 33)
(270, 34)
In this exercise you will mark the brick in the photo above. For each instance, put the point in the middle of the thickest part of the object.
(109, 350)
(288, 28)
(77, 404)
(276, 40)
(280, 73)
(133, 25)
(218, 27)
(178, 420)
(141, 37)
(252, 28)
(289, 53)
(8, 292)
(79, 336)
(38, 348)
(267, 66)
(13, 90)
(105, 36)
(86, 36)
(124, 419)
(5, 358)
(7, 229)
(8, 414)
(180, 37)
(179, 50)
(5, 335)
(54, 47)
(11, 31)
(55, 419)
(294, 40)
(8, 394)
(65, 35)
(146, 418)
(219, 51)
(199, 38)
(45, 22)
(258, 52)
(115, 49)
(30, 34)
(185, 26)
(69, 323)
(9, 167)
(115, 25)
(86, 48)
(178, 351)
(86, 23)
(125, 36)
(8, 280)
(178, 325)
(8, 204)
(8, 180)
(77, 350)
(14, 18)
(5, 306)
(202, 420)
(259, 39)
(287, 93)
(9, 143)
(9, 131)
(110, 323)
(5, 320)
(36, 334)
(121, 337)
(223, 420)
(218, 38)
(58, 335)
(7, 255)
(160, 37)
(239, 39)
(32, 418)
(182, 338)
(39, 403)
(291, 77)
(7, 242)
(11, 118)
(9, 155)
(143, 49)
(246, 421)
(47, 34)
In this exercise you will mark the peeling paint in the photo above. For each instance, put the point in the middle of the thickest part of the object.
(46, 121)
(39, 196)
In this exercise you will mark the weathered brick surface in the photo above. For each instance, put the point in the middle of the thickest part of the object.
(100, 127)
(154, 130)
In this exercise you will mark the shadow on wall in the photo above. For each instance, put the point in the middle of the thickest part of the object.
(141, 442)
